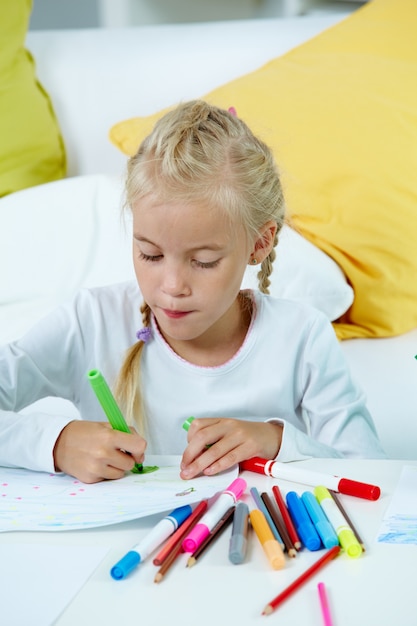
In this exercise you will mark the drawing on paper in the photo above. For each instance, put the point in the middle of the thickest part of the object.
(41, 501)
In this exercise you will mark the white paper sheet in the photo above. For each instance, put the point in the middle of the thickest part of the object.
(38, 581)
(41, 501)
(399, 524)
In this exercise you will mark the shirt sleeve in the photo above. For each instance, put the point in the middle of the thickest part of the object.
(333, 406)
(38, 365)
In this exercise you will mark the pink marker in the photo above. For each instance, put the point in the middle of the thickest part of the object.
(324, 604)
(287, 471)
(226, 499)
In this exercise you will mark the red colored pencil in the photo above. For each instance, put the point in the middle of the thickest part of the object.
(286, 517)
(180, 533)
(298, 582)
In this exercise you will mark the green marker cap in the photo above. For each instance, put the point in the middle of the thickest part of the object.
(187, 423)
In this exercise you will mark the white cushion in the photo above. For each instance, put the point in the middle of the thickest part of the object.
(58, 237)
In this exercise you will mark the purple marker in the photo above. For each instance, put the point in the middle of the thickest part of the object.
(226, 499)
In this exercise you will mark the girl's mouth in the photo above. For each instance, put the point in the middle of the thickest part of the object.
(175, 314)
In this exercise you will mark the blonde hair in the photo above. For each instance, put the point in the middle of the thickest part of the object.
(199, 153)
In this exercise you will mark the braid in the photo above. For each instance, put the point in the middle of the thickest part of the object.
(145, 309)
(127, 385)
(266, 269)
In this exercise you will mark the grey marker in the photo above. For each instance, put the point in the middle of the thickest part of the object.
(238, 539)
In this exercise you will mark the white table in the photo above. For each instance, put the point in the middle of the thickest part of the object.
(377, 589)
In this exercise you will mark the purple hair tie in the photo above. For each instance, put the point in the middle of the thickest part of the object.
(144, 334)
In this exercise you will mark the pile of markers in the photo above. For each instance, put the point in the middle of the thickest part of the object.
(314, 520)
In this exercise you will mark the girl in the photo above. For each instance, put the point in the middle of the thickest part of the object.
(264, 377)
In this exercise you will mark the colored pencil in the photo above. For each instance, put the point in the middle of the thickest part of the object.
(324, 605)
(279, 523)
(221, 525)
(176, 549)
(286, 517)
(298, 582)
(346, 516)
(167, 563)
(180, 533)
(261, 506)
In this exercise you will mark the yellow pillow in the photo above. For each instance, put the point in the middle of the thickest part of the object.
(340, 114)
(31, 146)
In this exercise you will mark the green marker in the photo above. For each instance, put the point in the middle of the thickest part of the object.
(110, 407)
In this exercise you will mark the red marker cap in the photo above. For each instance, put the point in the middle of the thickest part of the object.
(360, 490)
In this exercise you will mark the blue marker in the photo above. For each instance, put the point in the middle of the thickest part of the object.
(303, 524)
(319, 519)
(157, 535)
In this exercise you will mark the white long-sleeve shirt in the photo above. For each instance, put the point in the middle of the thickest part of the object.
(290, 369)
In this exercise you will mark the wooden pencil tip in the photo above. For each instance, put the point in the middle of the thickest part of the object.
(191, 561)
(158, 578)
(267, 610)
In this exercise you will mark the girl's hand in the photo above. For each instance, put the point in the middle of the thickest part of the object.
(215, 444)
(93, 451)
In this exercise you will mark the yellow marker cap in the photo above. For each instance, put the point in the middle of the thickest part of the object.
(349, 543)
(321, 493)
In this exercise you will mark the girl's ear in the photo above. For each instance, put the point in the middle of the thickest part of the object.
(264, 243)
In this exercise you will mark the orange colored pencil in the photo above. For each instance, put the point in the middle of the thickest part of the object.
(180, 533)
(176, 549)
(168, 562)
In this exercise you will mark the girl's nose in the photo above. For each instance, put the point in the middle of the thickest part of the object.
(174, 282)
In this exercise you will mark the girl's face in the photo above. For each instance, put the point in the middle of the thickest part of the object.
(189, 263)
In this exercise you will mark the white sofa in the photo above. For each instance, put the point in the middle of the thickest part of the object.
(58, 237)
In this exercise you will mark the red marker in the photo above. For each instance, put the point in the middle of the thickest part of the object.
(287, 471)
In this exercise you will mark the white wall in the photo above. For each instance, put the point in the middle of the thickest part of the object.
(47, 14)
(93, 13)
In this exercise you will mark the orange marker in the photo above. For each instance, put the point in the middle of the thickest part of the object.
(269, 544)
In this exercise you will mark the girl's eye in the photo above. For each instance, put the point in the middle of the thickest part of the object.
(149, 257)
(207, 265)
(153, 258)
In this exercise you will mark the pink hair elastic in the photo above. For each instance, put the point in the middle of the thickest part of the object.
(232, 111)
(144, 334)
